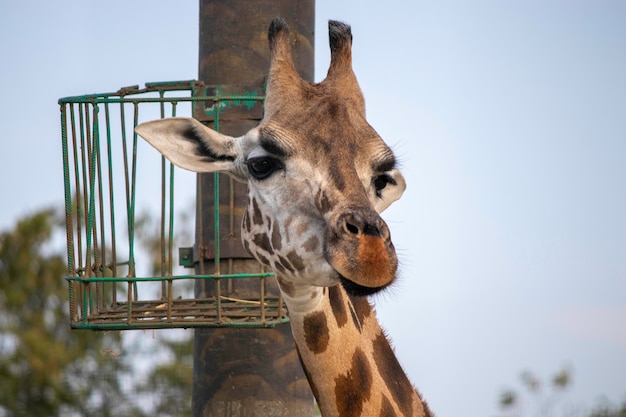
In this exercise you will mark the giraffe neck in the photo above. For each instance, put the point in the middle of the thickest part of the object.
(348, 360)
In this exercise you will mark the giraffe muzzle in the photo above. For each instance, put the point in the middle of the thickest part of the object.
(360, 249)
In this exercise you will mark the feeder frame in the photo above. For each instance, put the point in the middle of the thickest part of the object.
(105, 293)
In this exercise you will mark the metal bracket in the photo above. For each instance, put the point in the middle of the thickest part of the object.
(229, 249)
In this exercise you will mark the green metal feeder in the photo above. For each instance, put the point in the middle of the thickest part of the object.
(110, 175)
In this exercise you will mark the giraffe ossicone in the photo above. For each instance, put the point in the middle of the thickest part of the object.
(318, 176)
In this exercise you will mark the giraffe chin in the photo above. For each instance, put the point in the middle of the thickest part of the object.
(365, 265)
(359, 290)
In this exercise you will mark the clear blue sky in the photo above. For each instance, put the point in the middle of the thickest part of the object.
(510, 120)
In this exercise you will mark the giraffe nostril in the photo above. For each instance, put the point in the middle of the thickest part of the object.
(354, 224)
(351, 228)
(371, 230)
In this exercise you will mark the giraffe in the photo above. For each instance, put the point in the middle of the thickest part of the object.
(318, 176)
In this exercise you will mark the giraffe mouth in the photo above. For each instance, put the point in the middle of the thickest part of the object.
(366, 263)
(353, 288)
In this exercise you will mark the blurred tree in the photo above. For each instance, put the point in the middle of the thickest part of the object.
(46, 369)
(537, 401)
(168, 384)
(609, 411)
(148, 229)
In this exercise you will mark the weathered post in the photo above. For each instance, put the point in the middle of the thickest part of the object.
(243, 371)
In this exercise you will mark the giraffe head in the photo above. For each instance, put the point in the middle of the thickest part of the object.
(318, 174)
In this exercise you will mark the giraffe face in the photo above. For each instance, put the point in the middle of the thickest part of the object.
(318, 174)
(315, 192)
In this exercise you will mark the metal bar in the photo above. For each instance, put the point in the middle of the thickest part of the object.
(81, 197)
(79, 211)
(129, 303)
(216, 214)
(93, 149)
(77, 183)
(170, 85)
(216, 219)
(89, 210)
(281, 310)
(231, 220)
(69, 229)
(174, 278)
(132, 199)
(149, 87)
(100, 100)
(169, 299)
(83, 170)
(101, 252)
(126, 179)
(200, 227)
(171, 226)
(165, 325)
(262, 298)
(67, 193)
(163, 188)
(170, 292)
(113, 265)
(89, 195)
(100, 257)
(133, 183)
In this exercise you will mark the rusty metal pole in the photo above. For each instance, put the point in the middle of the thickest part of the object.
(242, 371)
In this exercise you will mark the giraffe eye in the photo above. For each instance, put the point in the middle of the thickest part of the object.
(380, 182)
(263, 166)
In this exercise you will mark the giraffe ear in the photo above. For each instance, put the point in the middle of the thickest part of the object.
(189, 144)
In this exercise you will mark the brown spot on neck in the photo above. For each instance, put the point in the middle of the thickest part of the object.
(295, 260)
(277, 243)
(316, 333)
(362, 307)
(391, 372)
(354, 388)
(311, 244)
(278, 267)
(268, 222)
(337, 305)
(263, 242)
(257, 216)
(284, 262)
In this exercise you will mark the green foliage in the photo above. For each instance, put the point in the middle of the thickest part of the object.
(46, 369)
(170, 383)
(535, 396)
(148, 230)
(609, 411)
(508, 398)
(539, 401)
(562, 379)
